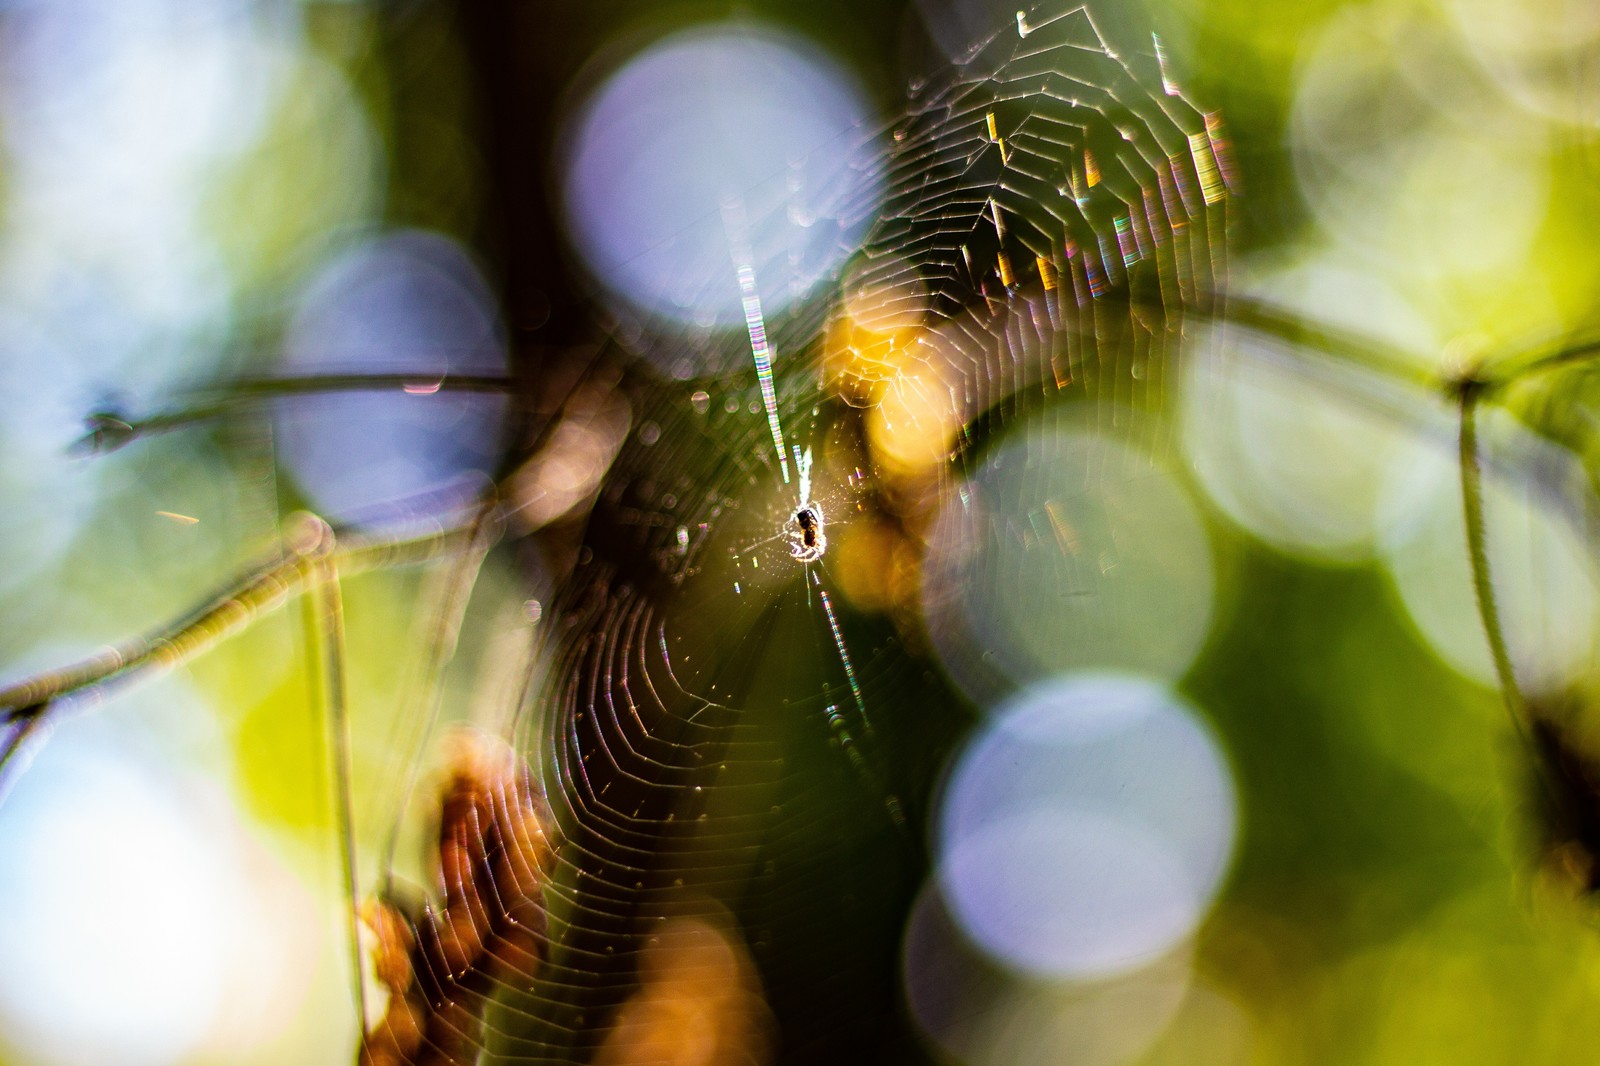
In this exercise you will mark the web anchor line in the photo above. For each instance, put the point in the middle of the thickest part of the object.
(733, 220)
(853, 753)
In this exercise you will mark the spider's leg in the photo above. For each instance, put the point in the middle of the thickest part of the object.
(748, 548)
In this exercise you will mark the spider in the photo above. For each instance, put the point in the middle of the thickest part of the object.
(807, 541)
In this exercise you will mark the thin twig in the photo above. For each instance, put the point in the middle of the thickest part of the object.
(1478, 553)
(325, 622)
(262, 588)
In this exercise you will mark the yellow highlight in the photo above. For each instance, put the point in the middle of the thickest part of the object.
(918, 415)
(1047, 273)
(182, 519)
(1205, 166)
(866, 562)
(1066, 535)
(1006, 277)
(1091, 169)
(994, 136)
(699, 1001)
(868, 344)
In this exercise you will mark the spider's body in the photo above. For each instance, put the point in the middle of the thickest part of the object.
(808, 542)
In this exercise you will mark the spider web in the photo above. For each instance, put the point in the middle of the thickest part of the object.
(733, 723)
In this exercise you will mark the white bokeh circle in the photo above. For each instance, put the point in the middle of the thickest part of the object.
(1087, 828)
(1066, 549)
(713, 152)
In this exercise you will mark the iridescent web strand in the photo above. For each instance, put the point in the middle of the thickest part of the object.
(755, 322)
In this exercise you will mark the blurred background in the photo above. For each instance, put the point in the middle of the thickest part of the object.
(1135, 708)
